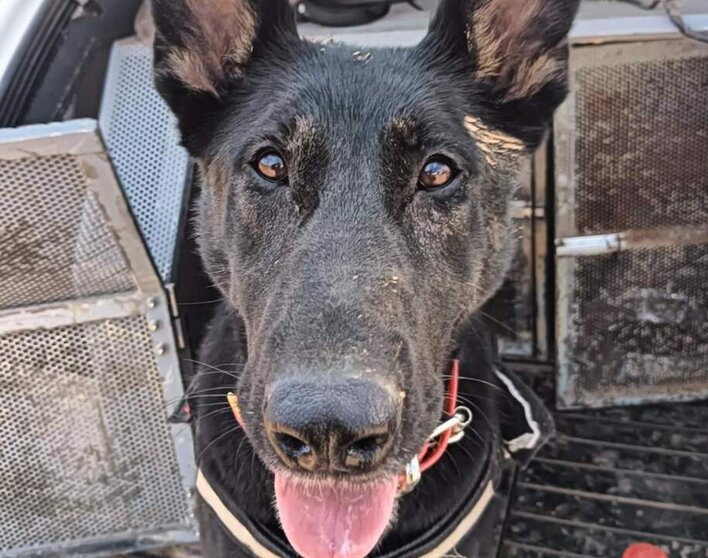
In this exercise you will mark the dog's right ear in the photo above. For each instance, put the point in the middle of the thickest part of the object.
(202, 47)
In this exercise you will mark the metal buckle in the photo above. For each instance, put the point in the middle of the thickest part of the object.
(411, 476)
(457, 423)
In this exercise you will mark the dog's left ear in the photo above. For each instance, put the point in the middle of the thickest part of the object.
(516, 54)
(204, 47)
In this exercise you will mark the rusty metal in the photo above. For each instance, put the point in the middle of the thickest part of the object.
(632, 225)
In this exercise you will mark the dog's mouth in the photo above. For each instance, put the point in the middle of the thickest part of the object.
(345, 516)
(334, 518)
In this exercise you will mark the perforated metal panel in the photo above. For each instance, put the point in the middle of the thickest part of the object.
(55, 241)
(632, 158)
(87, 449)
(88, 364)
(143, 142)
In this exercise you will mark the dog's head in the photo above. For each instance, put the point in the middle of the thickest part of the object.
(355, 211)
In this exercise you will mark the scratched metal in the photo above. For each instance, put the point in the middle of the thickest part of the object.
(55, 242)
(86, 448)
(632, 153)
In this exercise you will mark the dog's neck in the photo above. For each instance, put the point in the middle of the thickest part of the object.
(248, 482)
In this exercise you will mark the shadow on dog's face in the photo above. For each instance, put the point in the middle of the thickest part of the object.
(355, 211)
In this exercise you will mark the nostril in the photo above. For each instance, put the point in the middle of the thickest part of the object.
(365, 451)
(343, 426)
(292, 447)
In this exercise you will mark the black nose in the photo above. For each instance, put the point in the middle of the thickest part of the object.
(343, 426)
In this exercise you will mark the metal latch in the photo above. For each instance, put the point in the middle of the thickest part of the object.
(598, 244)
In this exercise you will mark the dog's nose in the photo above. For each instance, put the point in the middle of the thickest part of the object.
(340, 426)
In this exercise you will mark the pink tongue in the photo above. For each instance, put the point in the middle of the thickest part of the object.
(334, 521)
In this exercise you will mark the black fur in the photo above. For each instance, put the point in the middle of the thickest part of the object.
(351, 265)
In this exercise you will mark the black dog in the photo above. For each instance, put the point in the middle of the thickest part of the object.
(355, 215)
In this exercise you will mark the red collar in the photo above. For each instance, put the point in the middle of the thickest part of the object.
(449, 432)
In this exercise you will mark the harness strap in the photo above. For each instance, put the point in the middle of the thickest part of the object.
(243, 535)
(229, 520)
(465, 526)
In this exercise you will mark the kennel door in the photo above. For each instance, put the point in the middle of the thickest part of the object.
(88, 363)
(631, 146)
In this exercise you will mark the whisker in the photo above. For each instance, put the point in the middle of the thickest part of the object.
(241, 364)
(238, 449)
(195, 303)
(477, 409)
(214, 372)
(481, 397)
(191, 394)
(253, 464)
(503, 325)
(454, 464)
(211, 366)
(187, 396)
(210, 444)
(212, 413)
(477, 444)
(219, 403)
(468, 379)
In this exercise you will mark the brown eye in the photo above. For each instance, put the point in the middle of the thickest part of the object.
(271, 166)
(437, 172)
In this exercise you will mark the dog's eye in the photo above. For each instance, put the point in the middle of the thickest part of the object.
(437, 172)
(271, 166)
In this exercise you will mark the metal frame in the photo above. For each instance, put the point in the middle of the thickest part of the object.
(530, 214)
(593, 52)
(111, 546)
(604, 22)
(523, 217)
(82, 140)
(540, 251)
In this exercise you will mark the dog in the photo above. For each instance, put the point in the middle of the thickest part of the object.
(355, 215)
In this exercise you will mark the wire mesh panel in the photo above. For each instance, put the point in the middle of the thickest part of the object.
(642, 144)
(88, 363)
(143, 141)
(641, 321)
(632, 157)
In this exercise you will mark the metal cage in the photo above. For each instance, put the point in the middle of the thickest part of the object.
(631, 146)
(88, 362)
